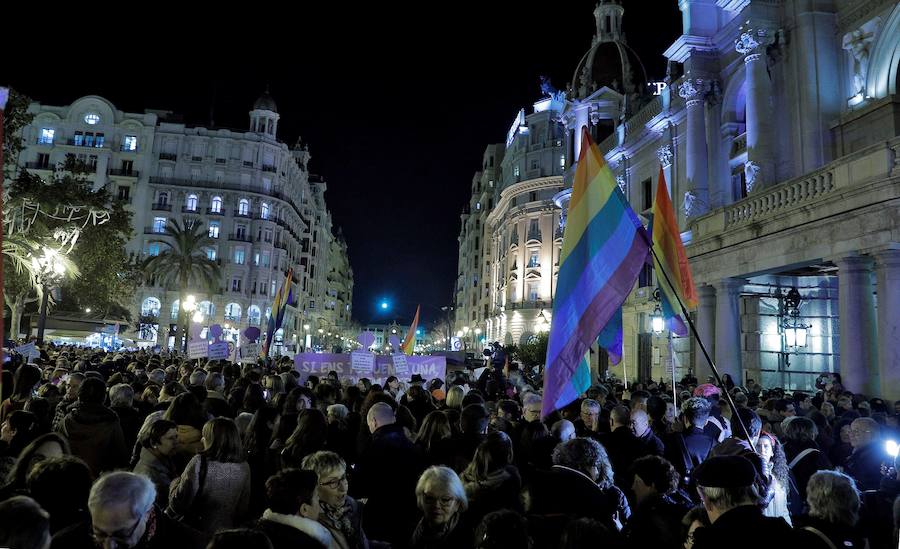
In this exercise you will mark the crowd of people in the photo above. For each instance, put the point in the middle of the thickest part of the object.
(135, 449)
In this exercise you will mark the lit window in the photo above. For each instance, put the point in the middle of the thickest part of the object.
(478, 205)
(272, 293)
(129, 143)
(91, 118)
(47, 135)
(159, 224)
(264, 211)
(265, 259)
(191, 203)
(216, 206)
(152, 248)
(239, 256)
(211, 254)
(244, 207)
(214, 229)
(562, 161)
(235, 284)
(516, 171)
(150, 307)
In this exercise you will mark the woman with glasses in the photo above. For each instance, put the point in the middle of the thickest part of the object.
(442, 501)
(339, 513)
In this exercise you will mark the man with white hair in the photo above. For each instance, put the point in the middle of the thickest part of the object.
(123, 515)
(387, 473)
(121, 400)
(216, 404)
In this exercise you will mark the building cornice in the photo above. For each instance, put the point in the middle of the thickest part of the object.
(522, 187)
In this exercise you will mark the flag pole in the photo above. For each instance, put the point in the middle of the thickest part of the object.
(709, 359)
(672, 357)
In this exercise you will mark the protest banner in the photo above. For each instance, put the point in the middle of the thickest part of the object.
(28, 350)
(319, 364)
(249, 352)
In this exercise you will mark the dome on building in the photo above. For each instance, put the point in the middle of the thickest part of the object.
(265, 103)
(610, 62)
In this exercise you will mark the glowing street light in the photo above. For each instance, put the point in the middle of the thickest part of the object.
(50, 269)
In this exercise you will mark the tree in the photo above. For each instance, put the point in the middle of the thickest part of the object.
(184, 264)
(534, 351)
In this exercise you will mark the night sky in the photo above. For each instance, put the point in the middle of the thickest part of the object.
(396, 106)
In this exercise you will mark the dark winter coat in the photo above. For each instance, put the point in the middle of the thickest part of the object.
(161, 533)
(808, 465)
(95, 435)
(655, 522)
(745, 527)
(500, 490)
(864, 465)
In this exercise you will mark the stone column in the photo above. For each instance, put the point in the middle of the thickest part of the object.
(856, 306)
(728, 327)
(696, 198)
(760, 166)
(887, 272)
(706, 329)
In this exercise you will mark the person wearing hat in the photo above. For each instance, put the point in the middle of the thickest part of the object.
(728, 489)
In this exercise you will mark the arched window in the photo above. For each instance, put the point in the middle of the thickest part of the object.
(233, 312)
(191, 203)
(244, 207)
(150, 307)
(207, 308)
(264, 211)
(175, 308)
(253, 314)
(216, 206)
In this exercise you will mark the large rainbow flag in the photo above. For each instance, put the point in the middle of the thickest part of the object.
(670, 257)
(604, 249)
(409, 342)
(282, 298)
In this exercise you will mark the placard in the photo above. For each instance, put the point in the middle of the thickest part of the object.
(218, 350)
(249, 352)
(362, 363)
(198, 349)
(28, 350)
(401, 366)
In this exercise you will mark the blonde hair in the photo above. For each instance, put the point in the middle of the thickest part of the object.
(443, 476)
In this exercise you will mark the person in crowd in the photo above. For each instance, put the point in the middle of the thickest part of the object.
(687, 448)
(121, 401)
(43, 447)
(239, 538)
(473, 424)
(728, 489)
(310, 436)
(656, 517)
(42, 408)
(491, 480)
(122, 514)
(621, 445)
(157, 448)
(291, 519)
(695, 518)
(776, 468)
(216, 405)
(186, 412)
(745, 422)
(658, 410)
(833, 515)
(419, 402)
(24, 524)
(434, 439)
(842, 448)
(25, 382)
(876, 517)
(648, 442)
(803, 454)
(387, 474)
(338, 512)
(580, 484)
(593, 419)
(61, 486)
(585, 533)
(455, 397)
(94, 431)
(563, 430)
(442, 502)
(213, 492)
(18, 430)
(864, 464)
(503, 529)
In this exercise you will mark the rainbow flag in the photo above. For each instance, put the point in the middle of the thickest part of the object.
(282, 298)
(604, 249)
(671, 258)
(409, 342)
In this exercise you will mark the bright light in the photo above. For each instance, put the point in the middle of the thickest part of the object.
(418, 332)
(790, 337)
(321, 331)
(198, 317)
(477, 331)
(394, 331)
(466, 330)
(658, 324)
(892, 448)
(306, 327)
(384, 305)
(190, 303)
(88, 310)
(459, 333)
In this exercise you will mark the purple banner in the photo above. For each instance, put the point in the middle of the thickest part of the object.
(319, 364)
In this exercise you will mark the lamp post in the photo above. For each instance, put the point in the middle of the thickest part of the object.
(190, 303)
(50, 269)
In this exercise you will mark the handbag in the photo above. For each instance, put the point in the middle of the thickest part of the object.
(192, 516)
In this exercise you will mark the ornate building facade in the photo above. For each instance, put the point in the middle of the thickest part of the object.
(779, 135)
(262, 208)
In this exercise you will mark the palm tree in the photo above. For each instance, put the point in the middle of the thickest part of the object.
(184, 264)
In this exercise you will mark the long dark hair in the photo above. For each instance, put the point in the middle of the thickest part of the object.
(309, 437)
(24, 380)
(23, 465)
(258, 434)
(435, 427)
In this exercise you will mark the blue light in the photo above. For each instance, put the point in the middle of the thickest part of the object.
(384, 305)
(419, 332)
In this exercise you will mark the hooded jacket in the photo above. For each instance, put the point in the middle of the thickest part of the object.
(95, 435)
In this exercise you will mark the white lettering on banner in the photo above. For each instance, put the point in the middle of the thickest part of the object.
(218, 350)
(401, 366)
(249, 352)
(319, 364)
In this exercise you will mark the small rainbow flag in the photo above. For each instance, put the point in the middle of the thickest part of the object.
(409, 342)
(282, 298)
(604, 249)
(671, 258)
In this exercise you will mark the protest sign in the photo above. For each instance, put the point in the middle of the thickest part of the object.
(362, 363)
(319, 364)
(401, 365)
(249, 352)
(28, 350)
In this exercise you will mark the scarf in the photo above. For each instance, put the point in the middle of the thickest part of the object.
(340, 518)
(426, 532)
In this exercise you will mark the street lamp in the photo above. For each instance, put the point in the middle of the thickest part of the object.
(50, 269)
(657, 322)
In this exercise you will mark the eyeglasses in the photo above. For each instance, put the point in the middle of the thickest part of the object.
(118, 537)
(444, 501)
(334, 483)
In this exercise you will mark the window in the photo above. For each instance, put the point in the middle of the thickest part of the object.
(265, 259)
(236, 284)
(646, 186)
(253, 315)
(211, 254)
(150, 307)
(91, 118)
(206, 308)
(534, 164)
(47, 135)
(162, 199)
(240, 232)
(264, 211)
(244, 207)
(216, 206)
(516, 171)
(256, 259)
(263, 285)
(562, 161)
(214, 229)
(129, 143)
(267, 235)
(191, 203)
(159, 224)
(233, 312)
(124, 192)
(312, 304)
(478, 205)
(267, 184)
(273, 290)
(534, 259)
(532, 291)
(532, 196)
(79, 139)
(239, 255)
(152, 248)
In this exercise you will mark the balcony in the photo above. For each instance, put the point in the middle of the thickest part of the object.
(239, 237)
(739, 145)
(155, 230)
(161, 207)
(126, 149)
(38, 166)
(188, 209)
(87, 144)
(238, 213)
(248, 163)
(209, 211)
(271, 169)
(196, 159)
(168, 156)
(124, 173)
(124, 199)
